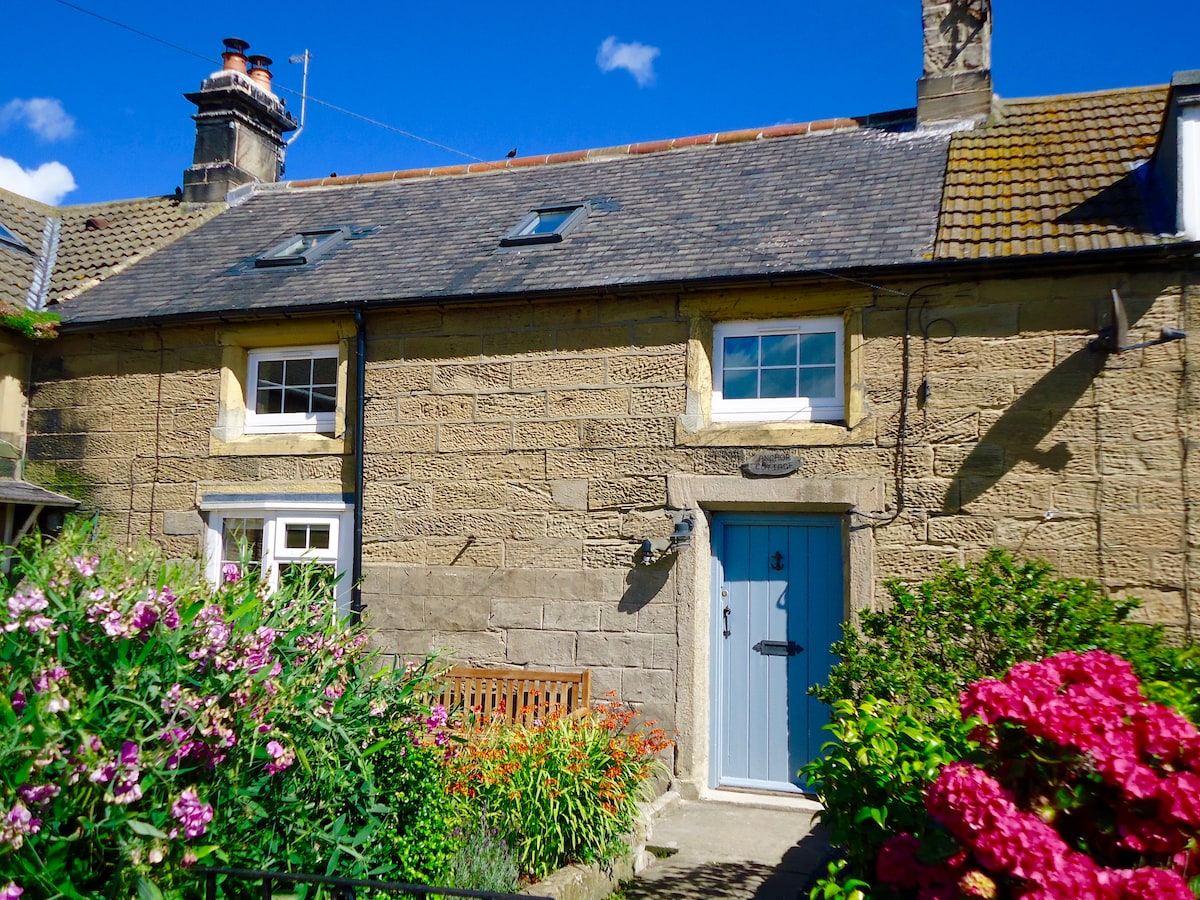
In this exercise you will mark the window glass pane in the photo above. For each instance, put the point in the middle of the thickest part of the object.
(779, 382)
(240, 536)
(547, 222)
(741, 352)
(324, 370)
(318, 537)
(296, 400)
(779, 349)
(818, 349)
(297, 371)
(270, 372)
(820, 381)
(740, 384)
(296, 537)
(314, 579)
(269, 401)
(324, 400)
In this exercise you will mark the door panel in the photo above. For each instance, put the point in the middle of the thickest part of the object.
(778, 588)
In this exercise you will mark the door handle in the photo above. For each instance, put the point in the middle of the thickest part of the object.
(727, 612)
(777, 648)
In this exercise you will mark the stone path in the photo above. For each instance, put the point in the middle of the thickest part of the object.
(732, 850)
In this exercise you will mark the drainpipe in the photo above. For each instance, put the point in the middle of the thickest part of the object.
(360, 402)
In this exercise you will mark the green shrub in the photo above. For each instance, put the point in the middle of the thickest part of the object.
(894, 692)
(974, 622)
(562, 791)
(873, 775)
(148, 722)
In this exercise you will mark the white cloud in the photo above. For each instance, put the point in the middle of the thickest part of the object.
(44, 116)
(48, 183)
(637, 59)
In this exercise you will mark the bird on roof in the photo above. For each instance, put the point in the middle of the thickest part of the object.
(511, 153)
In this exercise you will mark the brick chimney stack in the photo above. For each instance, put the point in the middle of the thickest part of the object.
(957, 82)
(240, 125)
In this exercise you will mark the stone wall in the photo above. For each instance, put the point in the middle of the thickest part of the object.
(517, 454)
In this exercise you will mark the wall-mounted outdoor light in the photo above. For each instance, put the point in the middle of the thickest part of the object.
(654, 549)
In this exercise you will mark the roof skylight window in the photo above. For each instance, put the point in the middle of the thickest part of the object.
(303, 247)
(8, 239)
(547, 225)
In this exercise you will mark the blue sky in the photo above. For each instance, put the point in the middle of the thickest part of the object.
(86, 103)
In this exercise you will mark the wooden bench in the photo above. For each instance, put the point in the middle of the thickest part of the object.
(513, 695)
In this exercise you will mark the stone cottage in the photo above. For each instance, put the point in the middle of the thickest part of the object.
(669, 411)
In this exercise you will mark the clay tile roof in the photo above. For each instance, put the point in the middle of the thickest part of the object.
(25, 219)
(119, 234)
(1053, 175)
(128, 230)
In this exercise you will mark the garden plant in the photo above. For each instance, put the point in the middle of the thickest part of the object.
(897, 723)
(150, 723)
(562, 790)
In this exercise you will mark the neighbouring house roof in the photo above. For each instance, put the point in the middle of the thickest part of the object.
(794, 199)
(73, 248)
(1054, 175)
(13, 490)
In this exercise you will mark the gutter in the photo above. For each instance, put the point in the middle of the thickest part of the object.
(360, 402)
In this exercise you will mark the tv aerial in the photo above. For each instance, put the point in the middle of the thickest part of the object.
(1114, 337)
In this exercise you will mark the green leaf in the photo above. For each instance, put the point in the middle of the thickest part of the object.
(147, 889)
(145, 829)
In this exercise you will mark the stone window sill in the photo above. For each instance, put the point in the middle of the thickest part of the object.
(279, 445)
(689, 433)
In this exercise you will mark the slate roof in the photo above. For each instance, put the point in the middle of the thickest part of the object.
(119, 233)
(753, 208)
(1054, 175)
(13, 490)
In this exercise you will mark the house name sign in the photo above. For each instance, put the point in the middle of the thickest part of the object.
(771, 465)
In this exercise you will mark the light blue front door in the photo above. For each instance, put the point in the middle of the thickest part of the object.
(778, 601)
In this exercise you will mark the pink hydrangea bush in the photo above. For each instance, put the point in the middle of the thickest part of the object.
(1087, 790)
(148, 723)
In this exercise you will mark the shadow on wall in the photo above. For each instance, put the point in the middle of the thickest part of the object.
(643, 583)
(1017, 435)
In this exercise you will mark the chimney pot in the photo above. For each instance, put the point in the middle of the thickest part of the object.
(235, 55)
(260, 71)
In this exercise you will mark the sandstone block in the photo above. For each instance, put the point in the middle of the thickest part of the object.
(473, 378)
(510, 525)
(181, 522)
(398, 379)
(662, 335)
(499, 317)
(647, 685)
(961, 531)
(550, 553)
(474, 437)
(539, 649)
(647, 369)
(628, 432)
(423, 408)
(636, 309)
(473, 648)
(393, 496)
(594, 339)
(409, 552)
(563, 313)
(588, 402)
(443, 347)
(461, 613)
(658, 401)
(519, 343)
(528, 405)
(569, 493)
(572, 615)
(621, 492)
(540, 435)
(401, 438)
(559, 373)
(623, 649)
(464, 552)
(464, 495)
(482, 466)
(580, 464)
(517, 613)
(610, 554)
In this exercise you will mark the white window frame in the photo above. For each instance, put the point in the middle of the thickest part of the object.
(288, 423)
(779, 409)
(276, 515)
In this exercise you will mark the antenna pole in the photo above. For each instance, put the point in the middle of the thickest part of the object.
(304, 58)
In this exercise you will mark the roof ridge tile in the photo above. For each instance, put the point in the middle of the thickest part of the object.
(737, 136)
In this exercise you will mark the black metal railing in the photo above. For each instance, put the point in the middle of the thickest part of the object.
(342, 888)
